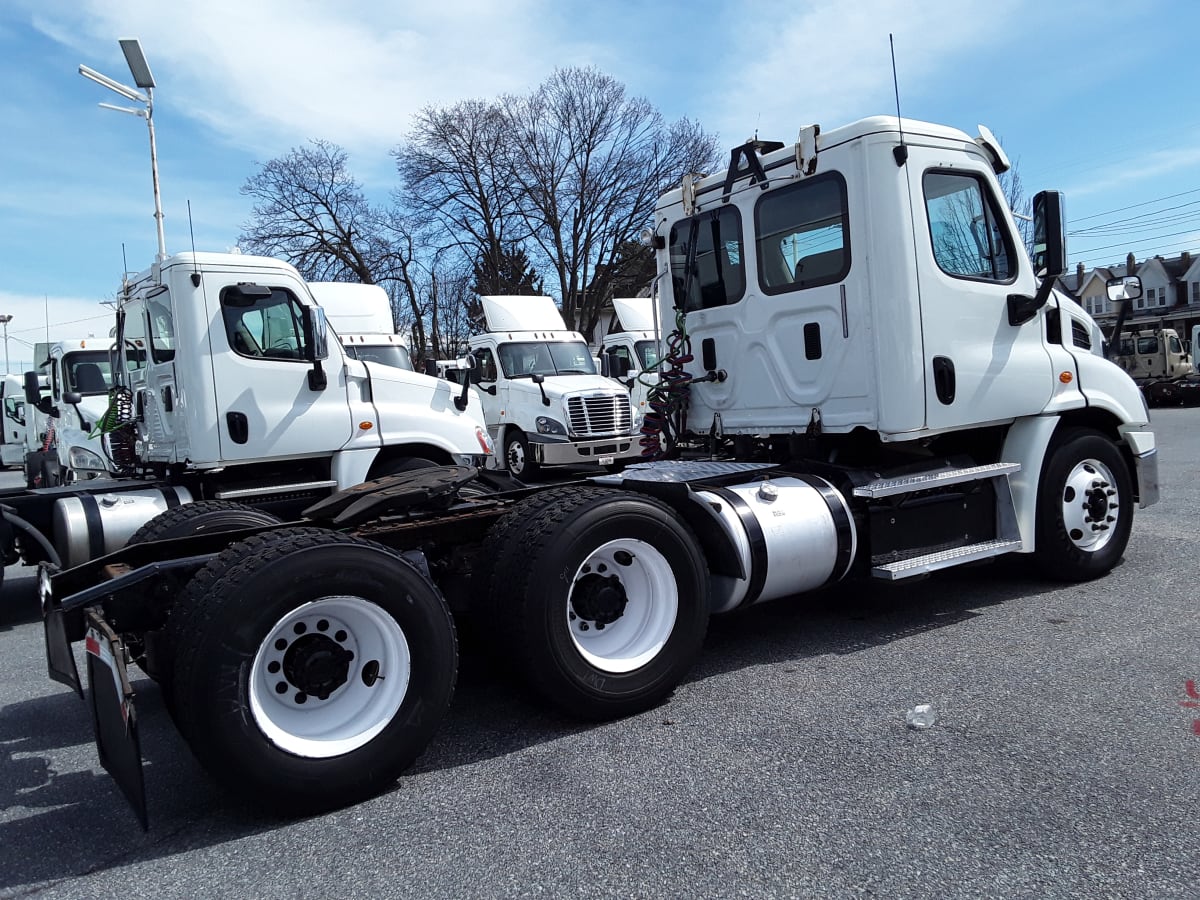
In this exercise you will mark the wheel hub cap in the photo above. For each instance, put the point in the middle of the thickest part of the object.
(599, 599)
(316, 664)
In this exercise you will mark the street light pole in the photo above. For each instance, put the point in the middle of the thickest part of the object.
(5, 319)
(142, 77)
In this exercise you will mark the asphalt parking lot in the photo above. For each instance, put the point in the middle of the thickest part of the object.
(1064, 762)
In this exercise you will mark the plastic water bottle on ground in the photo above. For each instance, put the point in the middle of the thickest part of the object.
(921, 716)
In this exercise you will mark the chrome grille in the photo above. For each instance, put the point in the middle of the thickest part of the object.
(599, 414)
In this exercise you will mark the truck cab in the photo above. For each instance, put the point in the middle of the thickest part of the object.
(544, 401)
(228, 362)
(862, 297)
(629, 354)
(361, 316)
(72, 381)
(1147, 353)
(13, 424)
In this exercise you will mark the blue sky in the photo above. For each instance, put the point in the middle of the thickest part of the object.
(1097, 100)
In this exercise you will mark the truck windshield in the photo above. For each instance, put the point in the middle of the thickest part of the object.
(546, 358)
(385, 354)
(647, 352)
(88, 372)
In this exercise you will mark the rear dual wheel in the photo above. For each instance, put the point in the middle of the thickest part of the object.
(311, 667)
(600, 596)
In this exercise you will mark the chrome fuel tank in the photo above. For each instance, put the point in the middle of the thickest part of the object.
(91, 525)
(791, 534)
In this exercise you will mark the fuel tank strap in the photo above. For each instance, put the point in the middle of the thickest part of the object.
(841, 523)
(758, 542)
(95, 525)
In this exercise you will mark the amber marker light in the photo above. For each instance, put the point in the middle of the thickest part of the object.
(1065, 377)
(365, 426)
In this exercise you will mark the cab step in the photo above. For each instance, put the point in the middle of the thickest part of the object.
(944, 559)
(890, 487)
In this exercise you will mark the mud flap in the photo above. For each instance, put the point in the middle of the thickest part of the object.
(60, 661)
(113, 714)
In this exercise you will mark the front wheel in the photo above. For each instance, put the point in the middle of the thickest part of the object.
(312, 668)
(602, 597)
(517, 458)
(1085, 507)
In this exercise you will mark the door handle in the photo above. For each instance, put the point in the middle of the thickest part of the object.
(943, 379)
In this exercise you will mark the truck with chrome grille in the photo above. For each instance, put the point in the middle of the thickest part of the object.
(544, 402)
(885, 384)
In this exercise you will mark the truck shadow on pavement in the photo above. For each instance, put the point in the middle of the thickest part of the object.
(53, 789)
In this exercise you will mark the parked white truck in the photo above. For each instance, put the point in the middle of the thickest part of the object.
(13, 423)
(629, 354)
(361, 315)
(77, 375)
(544, 401)
(1157, 361)
(887, 384)
(229, 387)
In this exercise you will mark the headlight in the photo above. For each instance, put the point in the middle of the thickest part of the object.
(546, 425)
(81, 458)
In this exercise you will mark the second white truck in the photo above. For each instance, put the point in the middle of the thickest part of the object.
(544, 401)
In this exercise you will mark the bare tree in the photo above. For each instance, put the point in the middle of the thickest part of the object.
(310, 211)
(589, 163)
(455, 171)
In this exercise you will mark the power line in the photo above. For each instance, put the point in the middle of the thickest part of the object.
(58, 324)
(1136, 205)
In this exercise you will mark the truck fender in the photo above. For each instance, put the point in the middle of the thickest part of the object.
(1026, 443)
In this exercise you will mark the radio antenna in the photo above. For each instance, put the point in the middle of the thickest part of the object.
(192, 232)
(900, 152)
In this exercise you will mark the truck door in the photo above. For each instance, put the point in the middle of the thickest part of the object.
(775, 309)
(148, 356)
(978, 367)
(267, 405)
(489, 388)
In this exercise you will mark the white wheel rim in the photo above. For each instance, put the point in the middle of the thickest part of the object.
(621, 641)
(1090, 505)
(297, 653)
(516, 458)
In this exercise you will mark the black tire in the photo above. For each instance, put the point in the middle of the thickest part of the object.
(201, 517)
(151, 651)
(234, 615)
(653, 600)
(516, 455)
(1085, 506)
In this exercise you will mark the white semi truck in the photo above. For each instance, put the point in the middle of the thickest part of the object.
(544, 401)
(887, 385)
(629, 353)
(13, 422)
(361, 315)
(70, 391)
(228, 387)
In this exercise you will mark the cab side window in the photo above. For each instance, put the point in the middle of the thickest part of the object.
(162, 327)
(803, 235)
(970, 238)
(135, 337)
(264, 327)
(487, 364)
(707, 260)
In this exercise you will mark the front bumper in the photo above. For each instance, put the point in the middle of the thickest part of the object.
(547, 451)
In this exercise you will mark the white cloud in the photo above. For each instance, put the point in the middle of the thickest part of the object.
(270, 74)
(828, 61)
